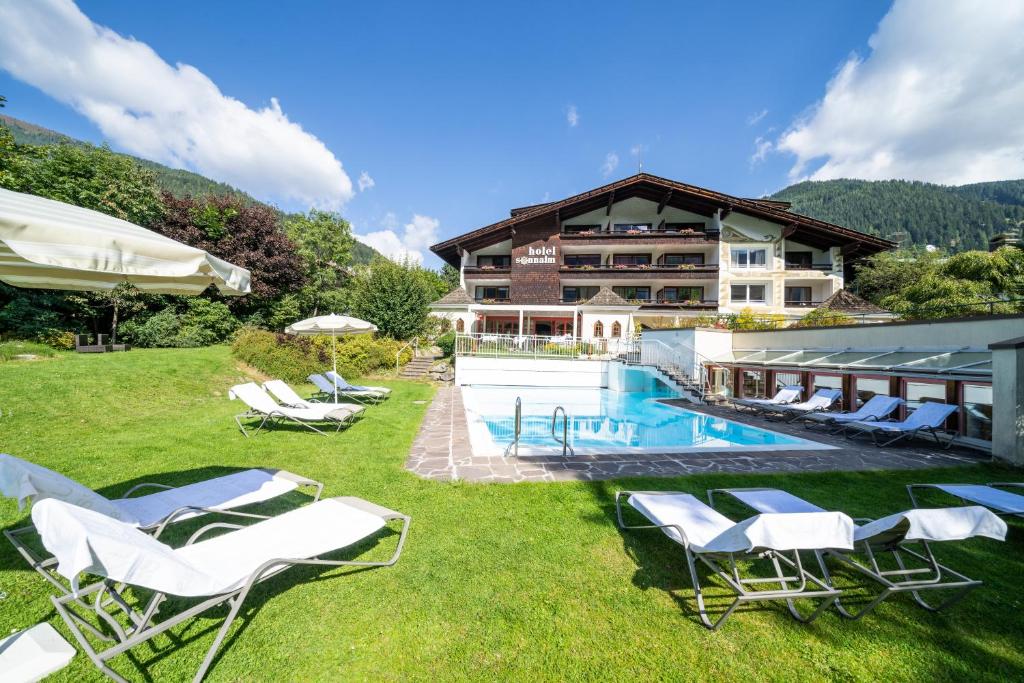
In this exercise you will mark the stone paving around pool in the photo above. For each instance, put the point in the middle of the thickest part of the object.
(442, 451)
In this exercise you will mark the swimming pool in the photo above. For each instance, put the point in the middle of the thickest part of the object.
(602, 421)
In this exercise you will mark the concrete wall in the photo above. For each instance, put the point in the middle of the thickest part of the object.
(530, 372)
(1008, 406)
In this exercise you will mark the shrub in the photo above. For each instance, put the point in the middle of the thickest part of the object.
(10, 349)
(293, 359)
(446, 342)
(823, 317)
(203, 323)
(63, 340)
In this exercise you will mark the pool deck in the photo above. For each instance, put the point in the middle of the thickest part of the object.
(442, 451)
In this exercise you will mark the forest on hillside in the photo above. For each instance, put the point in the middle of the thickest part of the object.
(954, 218)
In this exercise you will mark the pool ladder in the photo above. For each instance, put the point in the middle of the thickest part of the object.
(518, 430)
(565, 431)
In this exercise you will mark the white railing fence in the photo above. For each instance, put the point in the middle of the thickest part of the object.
(532, 346)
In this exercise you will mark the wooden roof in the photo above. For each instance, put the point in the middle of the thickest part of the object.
(804, 229)
(845, 301)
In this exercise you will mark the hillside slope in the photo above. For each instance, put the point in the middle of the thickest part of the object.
(951, 217)
(178, 182)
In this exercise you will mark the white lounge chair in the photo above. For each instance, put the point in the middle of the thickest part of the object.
(915, 572)
(211, 571)
(327, 391)
(343, 384)
(785, 395)
(712, 538)
(990, 495)
(877, 408)
(929, 417)
(28, 482)
(268, 411)
(822, 400)
(288, 397)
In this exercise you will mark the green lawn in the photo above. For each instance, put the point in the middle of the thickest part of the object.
(498, 582)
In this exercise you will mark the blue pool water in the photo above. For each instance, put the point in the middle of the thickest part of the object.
(606, 421)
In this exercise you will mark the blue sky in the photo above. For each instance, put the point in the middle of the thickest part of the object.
(460, 111)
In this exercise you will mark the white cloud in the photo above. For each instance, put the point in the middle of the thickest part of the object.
(572, 116)
(171, 114)
(611, 162)
(761, 149)
(940, 98)
(755, 119)
(416, 237)
(365, 182)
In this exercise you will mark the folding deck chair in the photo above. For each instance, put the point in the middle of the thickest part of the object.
(787, 394)
(289, 398)
(263, 407)
(991, 495)
(929, 417)
(916, 572)
(213, 571)
(712, 538)
(877, 408)
(29, 482)
(326, 391)
(820, 402)
(343, 384)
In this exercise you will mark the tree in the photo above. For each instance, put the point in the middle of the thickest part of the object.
(250, 236)
(890, 272)
(437, 283)
(324, 243)
(451, 276)
(824, 317)
(395, 296)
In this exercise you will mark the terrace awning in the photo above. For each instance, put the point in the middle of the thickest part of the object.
(46, 244)
(965, 361)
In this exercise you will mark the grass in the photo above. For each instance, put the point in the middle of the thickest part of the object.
(498, 582)
(10, 349)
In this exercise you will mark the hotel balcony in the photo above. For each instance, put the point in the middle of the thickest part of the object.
(486, 271)
(492, 300)
(685, 271)
(676, 236)
(820, 267)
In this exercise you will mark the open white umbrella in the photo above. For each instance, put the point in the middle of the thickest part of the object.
(52, 245)
(333, 325)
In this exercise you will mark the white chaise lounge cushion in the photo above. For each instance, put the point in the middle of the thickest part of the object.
(24, 481)
(934, 524)
(259, 400)
(989, 496)
(708, 531)
(85, 541)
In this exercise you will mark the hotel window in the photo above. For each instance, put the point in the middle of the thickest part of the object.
(749, 258)
(641, 293)
(748, 293)
(798, 259)
(786, 379)
(598, 329)
(753, 383)
(489, 261)
(867, 388)
(977, 411)
(631, 227)
(631, 259)
(917, 392)
(681, 294)
(491, 293)
(571, 294)
(582, 259)
(798, 296)
(826, 382)
(460, 325)
(683, 259)
(577, 229)
(616, 329)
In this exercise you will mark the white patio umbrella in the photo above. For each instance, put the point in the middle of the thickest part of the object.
(333, 325)
(52, 245)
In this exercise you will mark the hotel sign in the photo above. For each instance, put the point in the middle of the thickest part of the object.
(538, 256)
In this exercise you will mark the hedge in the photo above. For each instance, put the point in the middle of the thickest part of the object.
(293, 359)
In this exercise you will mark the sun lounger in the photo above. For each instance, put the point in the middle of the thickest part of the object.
(712, 538)
(263, 407)
(784, 395)
(28, 482)
(820, 402)
(207, 572)
(915, 572)
(877, 408)
(326, 391)
(929, 417)
(343, 384)
(990, 495)
(287, 396)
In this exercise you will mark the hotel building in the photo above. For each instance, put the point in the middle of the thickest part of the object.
(644, 250)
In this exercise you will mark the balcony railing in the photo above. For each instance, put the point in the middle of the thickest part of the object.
(823, 267)
(533, 346)
(793, 303)
(486, 270)
(681, 303)
(709, 268)
(653, 232)
(492, 300)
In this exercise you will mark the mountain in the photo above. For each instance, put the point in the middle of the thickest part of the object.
(953, 217)
(174, 180)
